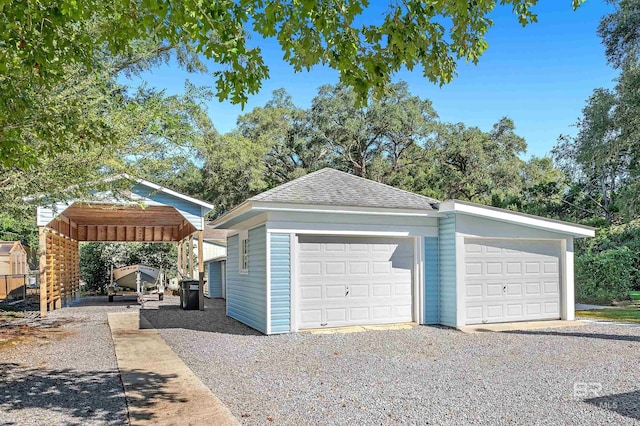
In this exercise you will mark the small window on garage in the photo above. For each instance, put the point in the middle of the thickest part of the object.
(244, 256)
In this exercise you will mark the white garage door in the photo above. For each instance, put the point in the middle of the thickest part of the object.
(511, 280)
(353, 280)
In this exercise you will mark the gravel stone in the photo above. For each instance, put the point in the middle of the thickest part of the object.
(424, 375)
(72, 378)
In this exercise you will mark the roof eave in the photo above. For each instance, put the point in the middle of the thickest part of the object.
(503, 215)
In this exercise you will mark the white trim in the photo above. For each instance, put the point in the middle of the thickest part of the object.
(325, 230)
(461, 292)
(167, 191)
(261, 206)
(254, 222)
(244, 244)
(237, 211)
(268, 277)
(515, 217)
(314, 208)
(293, 282)
(567, 281)
(418, 279)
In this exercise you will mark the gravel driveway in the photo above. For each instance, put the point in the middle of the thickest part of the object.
(67, 376)
(425, 375)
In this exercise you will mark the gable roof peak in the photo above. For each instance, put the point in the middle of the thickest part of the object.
(333, 187)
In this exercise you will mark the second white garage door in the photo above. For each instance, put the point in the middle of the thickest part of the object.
(511, 280)
(353, 281)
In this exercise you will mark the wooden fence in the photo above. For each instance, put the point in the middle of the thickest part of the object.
(59, 270)
(13, 287)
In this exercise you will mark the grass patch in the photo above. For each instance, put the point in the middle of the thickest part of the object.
(626, 314)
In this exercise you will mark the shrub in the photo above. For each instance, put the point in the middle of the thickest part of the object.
(605, 276)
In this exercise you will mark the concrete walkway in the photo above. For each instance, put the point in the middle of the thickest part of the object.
(160, 389)
(524, 325)
(586, 307)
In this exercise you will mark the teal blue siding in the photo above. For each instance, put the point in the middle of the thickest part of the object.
(191, 211)
(447, 266)
(247, 293)
(215, 279)
(431, 280)
(280, 283)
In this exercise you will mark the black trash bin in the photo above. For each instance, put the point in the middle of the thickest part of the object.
(190, 294)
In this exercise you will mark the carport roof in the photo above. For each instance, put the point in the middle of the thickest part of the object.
(332, 187)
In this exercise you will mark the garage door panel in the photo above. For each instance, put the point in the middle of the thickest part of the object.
(374, 280)
(402, 289)
(381, 290)
(494, 290)
(511, 280)
(381, 268)
(335, 268)
(356, 291)
(382, 312)
(359, 314)
(339, 247)
(474, 291)
(533, 288)
(550, 267)
(311, 269)
(474, 313)
(335, 291)
(311, 292)
(473, 269)
(358, 268)
(550, 287)
(495, 311)
(514, 310)
(336, 314)
(514, 289)
(513, 268)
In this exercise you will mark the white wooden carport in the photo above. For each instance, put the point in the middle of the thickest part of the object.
(145, 213)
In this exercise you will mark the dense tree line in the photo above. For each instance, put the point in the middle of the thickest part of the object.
(71, 123)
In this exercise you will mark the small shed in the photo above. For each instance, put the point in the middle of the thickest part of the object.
(215, 256)
(13, 267)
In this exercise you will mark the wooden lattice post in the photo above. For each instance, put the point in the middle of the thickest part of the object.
(201, 270)
(42, 232)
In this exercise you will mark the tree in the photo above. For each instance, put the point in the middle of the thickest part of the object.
(284, 130)
(234, 170)
(479, 166)
(371, 141)
(43, 41)
(602, 160)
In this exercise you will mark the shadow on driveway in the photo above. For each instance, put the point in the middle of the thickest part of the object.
(213, 319)
(80, 396)
(626, 404)
(622, 337)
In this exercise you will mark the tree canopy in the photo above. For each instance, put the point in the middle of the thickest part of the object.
(44, 42)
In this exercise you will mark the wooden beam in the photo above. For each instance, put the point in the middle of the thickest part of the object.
(190, 257)
(201, 270)
(42, 232)
(179, 256)
(184, 257)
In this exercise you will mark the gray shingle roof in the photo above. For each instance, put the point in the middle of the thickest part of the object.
(330, 187)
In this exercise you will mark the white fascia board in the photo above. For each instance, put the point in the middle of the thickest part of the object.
(235, 212)
(285, 207)
(503, 215)
(169, 191)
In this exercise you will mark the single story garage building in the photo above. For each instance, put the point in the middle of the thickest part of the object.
(331, 249)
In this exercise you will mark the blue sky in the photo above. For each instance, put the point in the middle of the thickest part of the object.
(540, 76)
